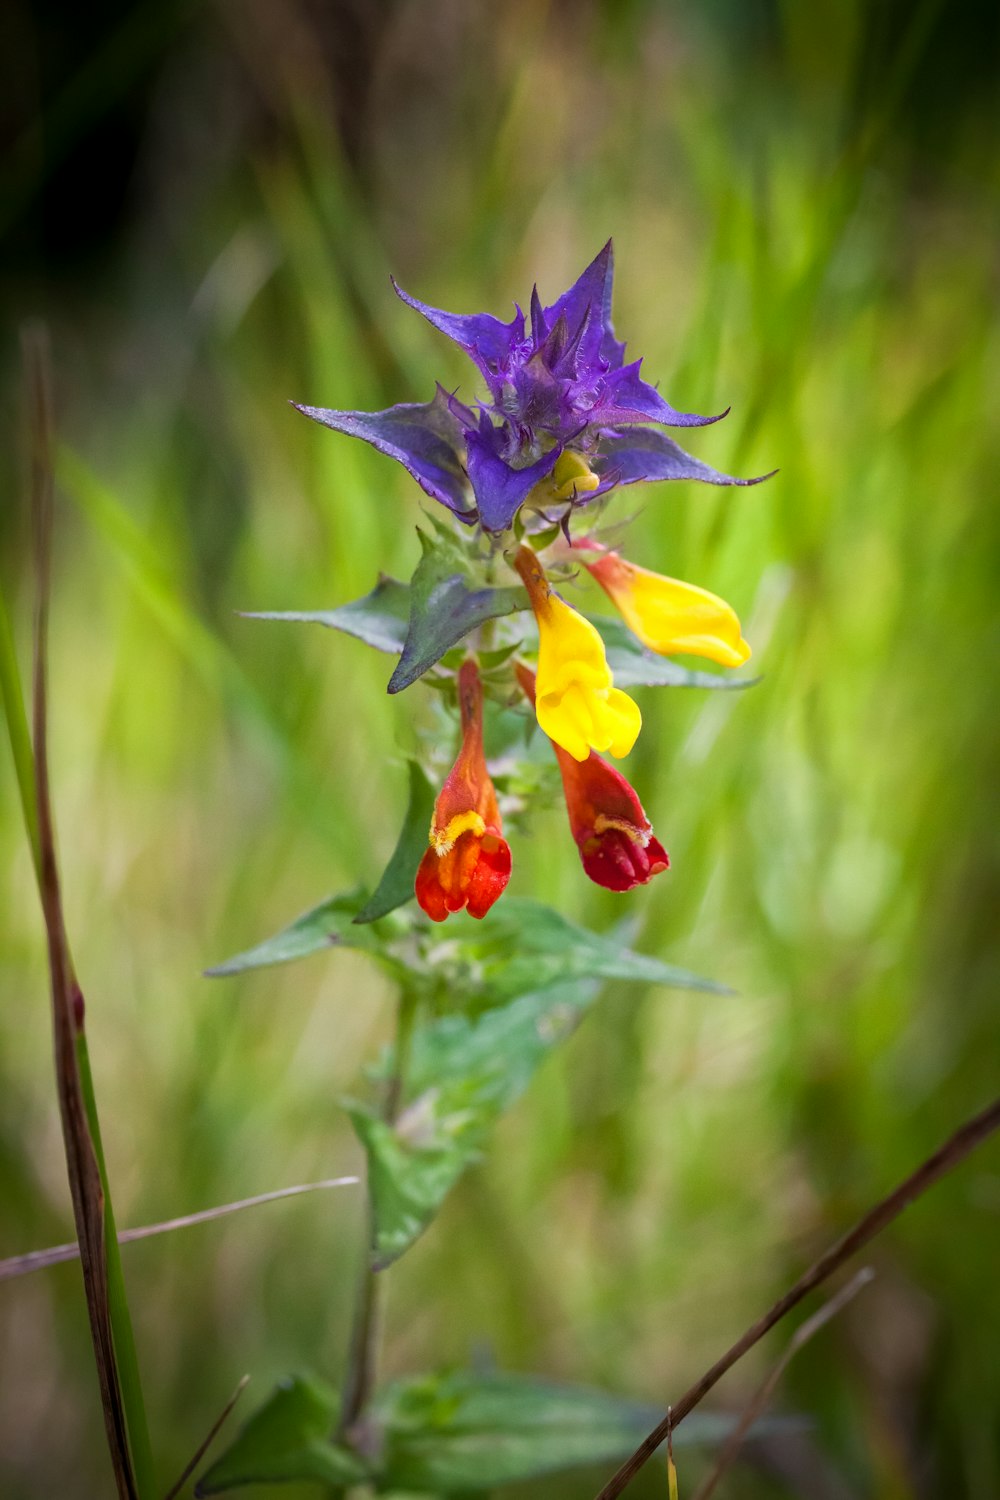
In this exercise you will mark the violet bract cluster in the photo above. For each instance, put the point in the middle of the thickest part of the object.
(562, 421)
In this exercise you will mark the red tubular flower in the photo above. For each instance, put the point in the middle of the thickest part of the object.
(612, 833)
(468, 861)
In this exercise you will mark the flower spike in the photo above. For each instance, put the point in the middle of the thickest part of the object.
(577, 703)
(467, 863)
(617, 845)
(668, 616)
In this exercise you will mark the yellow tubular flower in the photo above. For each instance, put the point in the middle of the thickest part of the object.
(576, 701)
(669, 616)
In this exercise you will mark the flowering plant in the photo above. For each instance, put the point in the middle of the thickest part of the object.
(524, 475)
(564, 422)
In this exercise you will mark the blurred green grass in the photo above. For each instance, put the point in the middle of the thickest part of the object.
(804, 229)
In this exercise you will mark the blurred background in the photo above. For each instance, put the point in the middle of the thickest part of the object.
(204, 202)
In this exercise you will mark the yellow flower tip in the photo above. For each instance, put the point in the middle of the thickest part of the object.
(571, 475)
(671, 617)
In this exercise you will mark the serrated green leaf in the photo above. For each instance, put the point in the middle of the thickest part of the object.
(462, 1074)
(380, 619)
(396, 884)
(443, 610)
(328, 925)
(460, 1431)
(288, 1438)
(634, 666)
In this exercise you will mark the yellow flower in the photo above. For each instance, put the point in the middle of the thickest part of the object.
(669, 616)
(576, 701)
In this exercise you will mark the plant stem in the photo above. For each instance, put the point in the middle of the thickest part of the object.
(107, 1305)
(367, 1312)
(121, 1319)
(19, 735)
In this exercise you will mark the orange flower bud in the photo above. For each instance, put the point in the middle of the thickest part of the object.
(468, 861)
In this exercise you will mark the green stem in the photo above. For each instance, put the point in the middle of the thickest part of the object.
(361, 1362)
(123, 1337)
(127, 1357)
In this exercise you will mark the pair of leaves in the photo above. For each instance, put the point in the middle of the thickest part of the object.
(421, 620)
(443, 1434)
(462, 1074)
(523, 979)
(528, 978)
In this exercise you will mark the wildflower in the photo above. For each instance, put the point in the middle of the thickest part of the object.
(613, 834)
(667, 615)
(559, 389)
(467, 863)
(576, 702)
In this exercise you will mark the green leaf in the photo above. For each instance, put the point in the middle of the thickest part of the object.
(462, 1431)
(462, 1074)
(524, 946)
(443, 610)
(288, 1438)
(380, 618)
(328, 925)
(396, 885)
(634, 666)
(531, 974)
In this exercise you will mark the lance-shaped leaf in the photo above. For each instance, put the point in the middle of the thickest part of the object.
(634, 666)
(535, 975)
(380, 618)
(396, 885)
(465, 1432)
(288, 1438)
(462, 1073)
(328, 925)
(443, 610)
(443, 1434)
(526, 946)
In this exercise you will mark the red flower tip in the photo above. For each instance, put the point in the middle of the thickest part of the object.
(618, 859)
(467, 863)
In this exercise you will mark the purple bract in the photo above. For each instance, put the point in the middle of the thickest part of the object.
(558, 385)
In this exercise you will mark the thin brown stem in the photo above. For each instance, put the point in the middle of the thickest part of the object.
(944, 1160)
(207, 1441)
(766, 1390)
(121, 1399)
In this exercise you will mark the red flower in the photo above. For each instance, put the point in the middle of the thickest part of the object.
(468, 861)
(612, 833)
